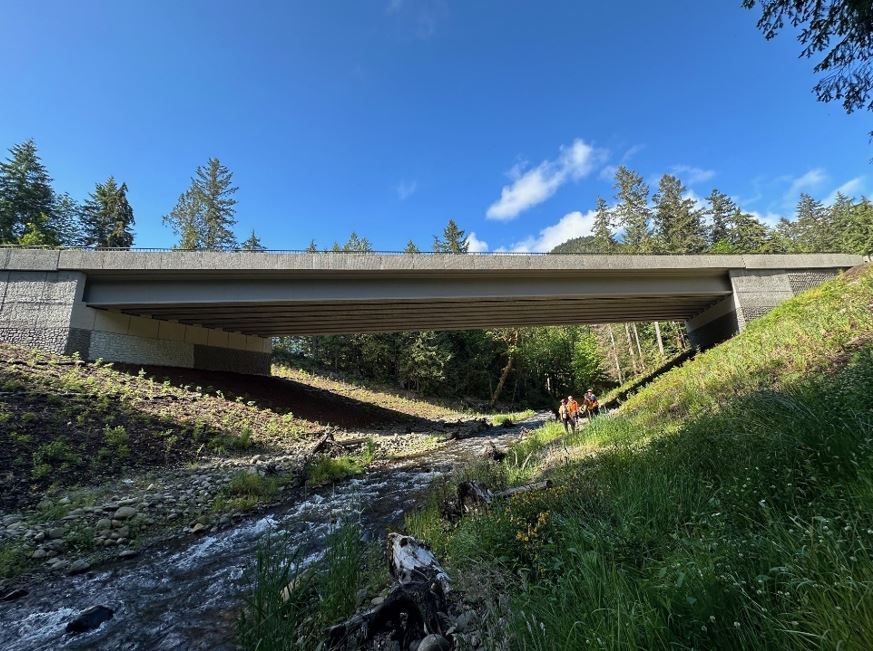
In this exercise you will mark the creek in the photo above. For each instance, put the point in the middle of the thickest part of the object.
(187, 594)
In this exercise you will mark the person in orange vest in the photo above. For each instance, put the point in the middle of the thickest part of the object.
(573, 410)
(589, 401)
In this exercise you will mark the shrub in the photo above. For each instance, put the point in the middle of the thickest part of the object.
(118, 440)
(55, 455)
(13, 559)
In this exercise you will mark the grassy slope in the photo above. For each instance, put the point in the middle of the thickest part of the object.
(729, 504)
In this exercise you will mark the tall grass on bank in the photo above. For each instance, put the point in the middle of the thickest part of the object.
(728, 505)
(290, 603)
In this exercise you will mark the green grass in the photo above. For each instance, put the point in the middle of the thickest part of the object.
(506, 419)
(728, 505)
(289, 605)
(14, 560)
(329, 469)
(245, 491)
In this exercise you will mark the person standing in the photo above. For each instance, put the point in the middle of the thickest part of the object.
(564, 415)
(589, 401)
(573, 410)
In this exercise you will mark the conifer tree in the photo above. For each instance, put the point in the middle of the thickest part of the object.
(453, 240)
(746, 234)
(604, 240)
(358, 244)
(632, 210)
(411, 248)
(856, 236)
(253, 243)
(312, 247)
(812, 232)
(205, 212)
(68, 221)
(26, 195)
(107, 218)
(37, 232)
(214, 185)
(678, 224)
(719, 210)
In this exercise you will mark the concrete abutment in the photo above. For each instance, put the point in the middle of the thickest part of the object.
(44, 309)
(755, 292)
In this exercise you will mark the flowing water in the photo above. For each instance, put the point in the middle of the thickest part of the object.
(187, 596)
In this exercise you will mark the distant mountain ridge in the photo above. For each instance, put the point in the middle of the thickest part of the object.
(584, 244)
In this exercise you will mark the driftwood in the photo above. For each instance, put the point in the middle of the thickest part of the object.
(414, 608)
(472, 494)
(492, 452)
(467, 429)
(323, 441)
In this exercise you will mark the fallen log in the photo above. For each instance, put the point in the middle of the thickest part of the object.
(472, 494)
(414, 608)
(535, 486)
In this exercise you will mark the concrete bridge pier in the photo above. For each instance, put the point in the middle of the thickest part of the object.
(44, 309)
(755, 292)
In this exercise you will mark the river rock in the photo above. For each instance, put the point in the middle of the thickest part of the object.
(465, 621)
(197, 528)
(434, 642)
(128, 553)
(56, 532)
(124, 513)
(79, 566)
(38, 554)
(90, 619)
(104, 523)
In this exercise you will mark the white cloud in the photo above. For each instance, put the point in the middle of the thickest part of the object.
(538, 184)
(421, 17)
(573, 224)
(476, 245)
(769, 218)
(630, 153)
(406, 189)
(608, 173)
(851, 188)
(691, 175)
(809, 181)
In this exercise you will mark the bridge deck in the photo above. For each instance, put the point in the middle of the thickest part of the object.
(299, 293)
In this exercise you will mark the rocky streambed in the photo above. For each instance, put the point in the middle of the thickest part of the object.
(185, 592)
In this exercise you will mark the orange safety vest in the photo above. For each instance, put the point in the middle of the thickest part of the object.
(572, 407)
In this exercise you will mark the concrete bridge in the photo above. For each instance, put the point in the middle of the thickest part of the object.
(216, 310)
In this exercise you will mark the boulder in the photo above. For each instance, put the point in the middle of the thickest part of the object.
(466, 621)
(104, 523)
(79, 566)
(124, 513)
(89, 619)
(434, 642)
(56, 532)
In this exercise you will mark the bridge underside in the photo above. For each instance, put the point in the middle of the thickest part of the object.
(319, 306)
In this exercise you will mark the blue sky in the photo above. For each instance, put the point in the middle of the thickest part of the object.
(390, 117)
